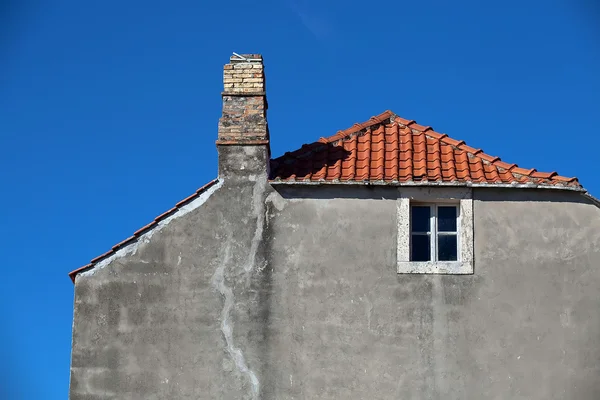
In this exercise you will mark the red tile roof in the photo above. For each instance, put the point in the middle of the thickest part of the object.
(390, 149)
(386, 149)
(142, 230)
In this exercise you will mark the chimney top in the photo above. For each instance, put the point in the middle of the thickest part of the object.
(244, 75)
(244, 118)
(240, 58)
(243, 138)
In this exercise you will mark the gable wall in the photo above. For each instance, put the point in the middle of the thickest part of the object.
(293, 293)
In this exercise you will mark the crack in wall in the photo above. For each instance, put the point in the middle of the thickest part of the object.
(226, 327)
(258, 210)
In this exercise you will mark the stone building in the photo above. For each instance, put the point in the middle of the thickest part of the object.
(387, 261)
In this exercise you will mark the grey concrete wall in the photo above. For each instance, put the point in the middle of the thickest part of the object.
(293, 294)
(181, 317)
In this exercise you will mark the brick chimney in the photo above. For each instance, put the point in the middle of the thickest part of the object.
(243, 140)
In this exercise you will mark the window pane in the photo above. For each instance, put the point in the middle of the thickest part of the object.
(420, 248)
(447, 248)
(420, 218)
(447, 219)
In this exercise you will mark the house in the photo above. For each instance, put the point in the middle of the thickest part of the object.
(387, 261)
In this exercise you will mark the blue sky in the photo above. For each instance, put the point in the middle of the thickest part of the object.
(109, 111)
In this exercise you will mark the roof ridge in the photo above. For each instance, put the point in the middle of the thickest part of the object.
(357, 127)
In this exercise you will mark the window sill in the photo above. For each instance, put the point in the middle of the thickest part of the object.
(435, 267)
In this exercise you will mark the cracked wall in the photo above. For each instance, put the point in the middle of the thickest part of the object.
(293, 294)
(180, 315)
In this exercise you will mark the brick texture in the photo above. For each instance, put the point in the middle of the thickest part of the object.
(244, 119)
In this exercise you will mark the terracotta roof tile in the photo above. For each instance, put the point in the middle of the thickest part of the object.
(385, 148)
(504, 165)
(166, 214)
(392, 149)
(124, 242)
(101, 256)
(140, 231)
(145, 228)
(544, 175)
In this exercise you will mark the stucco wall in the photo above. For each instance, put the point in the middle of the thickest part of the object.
(292, 293)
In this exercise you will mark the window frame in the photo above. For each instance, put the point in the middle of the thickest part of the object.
(462, 198)
(434, 233)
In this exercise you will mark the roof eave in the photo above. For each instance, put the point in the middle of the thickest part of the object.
(429, 183)
(578, 189)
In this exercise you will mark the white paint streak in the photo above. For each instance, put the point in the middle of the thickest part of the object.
(145, 238)
(258, 209)
(236, 354)
(369, 311)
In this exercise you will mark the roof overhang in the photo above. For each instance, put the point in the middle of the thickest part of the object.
(579, 189)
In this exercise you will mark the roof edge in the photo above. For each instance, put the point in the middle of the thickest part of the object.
(142, 231)
(432, 184)
(577, 189)
(357, 127)
(593, 199)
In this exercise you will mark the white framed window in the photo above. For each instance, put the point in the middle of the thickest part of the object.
(435, 230)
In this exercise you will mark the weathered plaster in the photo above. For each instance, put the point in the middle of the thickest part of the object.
(145, 238)
(236, 353)
(323, 314)
(218, 280)
(179, 313)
